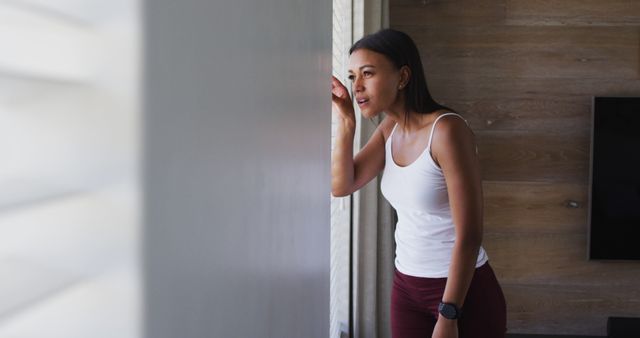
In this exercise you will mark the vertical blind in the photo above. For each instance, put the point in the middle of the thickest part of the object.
(68, 183)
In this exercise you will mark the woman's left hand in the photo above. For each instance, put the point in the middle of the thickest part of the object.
(445, 328)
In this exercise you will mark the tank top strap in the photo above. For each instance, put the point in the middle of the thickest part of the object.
(390, 135)
(433, 127)
(393, 129)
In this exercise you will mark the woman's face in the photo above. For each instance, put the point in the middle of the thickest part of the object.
(375, 81)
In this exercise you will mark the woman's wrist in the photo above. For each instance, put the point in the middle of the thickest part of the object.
(447, 321)
(349, 122)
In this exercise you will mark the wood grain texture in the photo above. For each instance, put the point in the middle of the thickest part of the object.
(447, 12)
(535, 208)
(534, 156)
(554, 259)
(459, 86)
(524, 114)
(528, 52)
(527, 36)
(573, 12)
(554, 308)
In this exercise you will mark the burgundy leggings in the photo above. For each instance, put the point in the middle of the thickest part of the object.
(414, 306)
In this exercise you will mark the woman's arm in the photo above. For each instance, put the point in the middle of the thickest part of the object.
(455, 151)
(348, 173)
(342, 159)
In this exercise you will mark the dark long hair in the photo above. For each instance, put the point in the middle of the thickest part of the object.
(400, 49)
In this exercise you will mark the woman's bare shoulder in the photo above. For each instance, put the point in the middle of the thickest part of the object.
(456, 123)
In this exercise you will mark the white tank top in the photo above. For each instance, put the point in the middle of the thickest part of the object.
(425, 233)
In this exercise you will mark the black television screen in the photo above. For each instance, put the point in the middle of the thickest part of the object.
(614, 187)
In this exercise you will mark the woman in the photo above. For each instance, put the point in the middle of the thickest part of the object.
(443, 285)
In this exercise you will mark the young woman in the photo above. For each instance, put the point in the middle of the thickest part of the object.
(443, 285)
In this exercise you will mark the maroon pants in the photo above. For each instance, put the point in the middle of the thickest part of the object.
(414, 306)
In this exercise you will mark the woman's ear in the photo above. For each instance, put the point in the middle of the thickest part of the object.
(405, 75)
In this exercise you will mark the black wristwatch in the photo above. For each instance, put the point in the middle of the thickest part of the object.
(449, 311)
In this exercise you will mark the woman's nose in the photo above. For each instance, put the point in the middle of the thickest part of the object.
(357, 84)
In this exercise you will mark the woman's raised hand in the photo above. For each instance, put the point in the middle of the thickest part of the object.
(342, 104)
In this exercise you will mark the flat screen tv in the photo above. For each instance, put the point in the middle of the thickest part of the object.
(614, 187)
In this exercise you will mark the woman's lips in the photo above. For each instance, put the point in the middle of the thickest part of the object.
(363, 102)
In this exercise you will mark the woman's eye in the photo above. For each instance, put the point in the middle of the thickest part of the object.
(350, 77)
(367, 73)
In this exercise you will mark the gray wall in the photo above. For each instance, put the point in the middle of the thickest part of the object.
(236, 168)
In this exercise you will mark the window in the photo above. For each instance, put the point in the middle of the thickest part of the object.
(341, 206)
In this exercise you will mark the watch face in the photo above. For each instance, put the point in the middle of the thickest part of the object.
(448, 311)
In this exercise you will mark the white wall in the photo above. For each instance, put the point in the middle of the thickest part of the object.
(237, 168)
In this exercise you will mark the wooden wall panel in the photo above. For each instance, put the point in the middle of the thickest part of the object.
(534, 156)
(527, 36)
(536, 258)
(554, 259)
(451, 12)
(515, 207)
(523, 73)
(529, 52)
(554, 308)
(573, 12)
(504, 87)
(552, 115)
